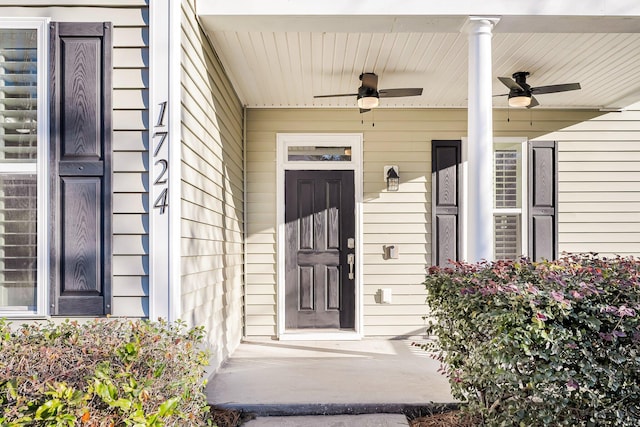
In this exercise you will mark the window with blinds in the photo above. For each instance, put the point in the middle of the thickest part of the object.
(507, 236)
(507, 204)
(18, 175)
(506, 179)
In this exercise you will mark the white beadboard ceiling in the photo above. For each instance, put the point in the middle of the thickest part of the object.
(283, 60)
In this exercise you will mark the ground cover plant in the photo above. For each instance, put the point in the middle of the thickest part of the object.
(541, 343)
(102, 373)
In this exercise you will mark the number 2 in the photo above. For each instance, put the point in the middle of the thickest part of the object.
(160, 179)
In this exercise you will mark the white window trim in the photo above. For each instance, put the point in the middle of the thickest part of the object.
(41, 167)
(284, 141)
(524, 191)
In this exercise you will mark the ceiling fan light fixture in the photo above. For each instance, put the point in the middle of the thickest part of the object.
(368, 102)
(521, 94)
(520, 100)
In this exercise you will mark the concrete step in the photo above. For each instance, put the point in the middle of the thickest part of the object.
(323, 409)
(368, 420)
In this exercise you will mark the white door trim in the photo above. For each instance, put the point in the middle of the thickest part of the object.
(285, 140)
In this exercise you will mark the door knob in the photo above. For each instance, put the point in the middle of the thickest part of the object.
(351, 260)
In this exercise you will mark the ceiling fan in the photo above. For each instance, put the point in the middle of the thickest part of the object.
(521, 94)
(368, 95)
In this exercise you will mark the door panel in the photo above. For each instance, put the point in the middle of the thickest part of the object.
(319, 218)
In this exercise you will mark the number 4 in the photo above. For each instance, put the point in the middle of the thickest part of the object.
(162, 202)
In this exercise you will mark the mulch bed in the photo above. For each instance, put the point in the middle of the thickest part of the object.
(229, 418)
(446, 419)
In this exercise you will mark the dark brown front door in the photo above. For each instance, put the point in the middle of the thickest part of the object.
(320, 220)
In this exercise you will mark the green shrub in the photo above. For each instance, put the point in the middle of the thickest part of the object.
(102, 373)
(548, 343)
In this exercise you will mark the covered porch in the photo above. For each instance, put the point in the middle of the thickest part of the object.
(282, 55)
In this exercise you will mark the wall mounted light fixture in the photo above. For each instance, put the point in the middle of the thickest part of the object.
(392, 177)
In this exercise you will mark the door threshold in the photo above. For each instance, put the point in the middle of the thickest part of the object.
(320, 335)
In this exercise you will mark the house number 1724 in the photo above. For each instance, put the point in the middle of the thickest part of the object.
(159, 137)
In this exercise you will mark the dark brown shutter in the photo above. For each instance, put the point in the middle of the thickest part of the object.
(543, 196)
(80, 58)
(445, 193)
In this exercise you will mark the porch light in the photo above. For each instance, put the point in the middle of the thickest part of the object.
(368, 98)
(368, 102)
(520, 100)
(393, 179)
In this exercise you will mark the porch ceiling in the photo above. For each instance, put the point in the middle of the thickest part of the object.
(279, 54)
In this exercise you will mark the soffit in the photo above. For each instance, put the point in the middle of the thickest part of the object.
(284, 60)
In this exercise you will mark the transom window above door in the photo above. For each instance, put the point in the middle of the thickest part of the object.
(319, 151)
(318, 154)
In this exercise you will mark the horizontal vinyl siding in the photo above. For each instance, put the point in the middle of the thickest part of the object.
(599, 185)
(391, 137)
(211, 193)
(131, 202)
(130, 139)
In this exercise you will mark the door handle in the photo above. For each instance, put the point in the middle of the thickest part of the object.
(351, 260)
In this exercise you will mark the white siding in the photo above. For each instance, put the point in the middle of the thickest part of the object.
(391, 137)
(599, 188)
(212, 193)
(130, 118)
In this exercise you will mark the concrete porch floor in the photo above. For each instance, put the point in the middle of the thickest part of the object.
(271, 378)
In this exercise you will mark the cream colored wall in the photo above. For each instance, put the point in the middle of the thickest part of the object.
(399, 137)
(130, 121)
(599, 185)
(212, 193)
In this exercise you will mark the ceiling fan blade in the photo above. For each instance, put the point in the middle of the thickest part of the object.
(395, 93)
(364, 110)
(534, 102)
(502, 94)
(555, 88)
(336, 95)
(510, 83)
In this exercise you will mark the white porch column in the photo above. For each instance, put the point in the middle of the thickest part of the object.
(480, 142)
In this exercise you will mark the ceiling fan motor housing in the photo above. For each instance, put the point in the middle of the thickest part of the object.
(521, 79)
(364, 92)
(369, 80)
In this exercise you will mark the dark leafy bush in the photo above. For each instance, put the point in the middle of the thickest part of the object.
(102, 373)
(541, 344)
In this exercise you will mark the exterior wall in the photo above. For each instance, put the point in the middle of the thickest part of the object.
(130, 137)
(599, 185)
(399, 137)
(212, 193)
